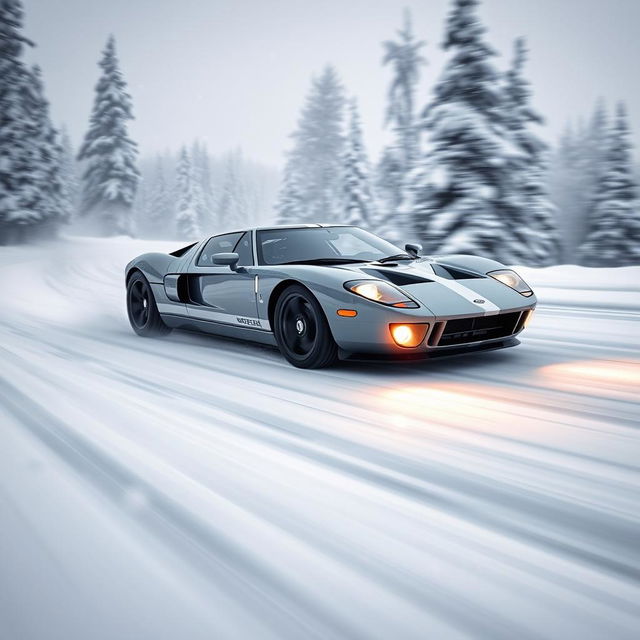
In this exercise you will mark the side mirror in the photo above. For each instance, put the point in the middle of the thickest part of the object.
(413, 249)
(230, 259)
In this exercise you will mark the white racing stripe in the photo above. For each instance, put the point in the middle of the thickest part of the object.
(488, 308)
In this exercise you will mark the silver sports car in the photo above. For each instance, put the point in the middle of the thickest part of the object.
(320, 292)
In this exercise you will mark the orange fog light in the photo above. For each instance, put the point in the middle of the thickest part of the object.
(408, 335)
(347, 313)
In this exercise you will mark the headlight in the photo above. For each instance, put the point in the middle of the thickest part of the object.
(512, 280)
(382, 292)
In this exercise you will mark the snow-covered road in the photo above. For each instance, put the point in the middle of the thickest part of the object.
(195, 487)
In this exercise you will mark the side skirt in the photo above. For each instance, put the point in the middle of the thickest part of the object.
(219, 329)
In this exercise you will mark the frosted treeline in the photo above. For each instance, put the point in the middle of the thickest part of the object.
(193, 193)
(104, 187)
(465, 169)
(594, 185)
(467, 172)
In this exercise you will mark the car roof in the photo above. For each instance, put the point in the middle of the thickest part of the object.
(302, 226)
(281, 226)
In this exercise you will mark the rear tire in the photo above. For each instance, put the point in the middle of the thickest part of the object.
(142, 309)
(302, 330)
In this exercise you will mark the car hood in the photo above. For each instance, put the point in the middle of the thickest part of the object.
(454, 295)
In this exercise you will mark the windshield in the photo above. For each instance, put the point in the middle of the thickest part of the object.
(322, 244)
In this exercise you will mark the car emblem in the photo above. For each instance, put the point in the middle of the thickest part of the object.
(479, 301)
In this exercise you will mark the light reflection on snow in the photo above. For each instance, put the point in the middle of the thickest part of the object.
(594, 376)
(407, 404)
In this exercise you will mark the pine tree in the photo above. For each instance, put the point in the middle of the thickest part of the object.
(111, 177)
(68, 175)
(19, 187)
(158, 219)
(398, 159)
(456, 191)
(391, 183)
(233, 207)
(531, 214)
(357, 193)
(47, 163)
(187, 214)
(614, 231)
(564, 184)
(317, 151)
(290, 205)
(202, 172)
(595, 141)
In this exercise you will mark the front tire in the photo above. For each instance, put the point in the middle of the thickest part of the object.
(302, 330)
(142, 310)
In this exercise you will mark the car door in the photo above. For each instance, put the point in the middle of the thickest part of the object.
(216, 292)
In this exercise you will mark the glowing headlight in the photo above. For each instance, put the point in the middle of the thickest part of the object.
(512, 280)
(381, 292)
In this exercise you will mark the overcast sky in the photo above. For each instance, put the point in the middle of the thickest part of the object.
(235, 72)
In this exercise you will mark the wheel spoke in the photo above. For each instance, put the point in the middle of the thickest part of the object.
(306, 343)
(298, 345)
(288, 326)
(289, 316)
(297, 306)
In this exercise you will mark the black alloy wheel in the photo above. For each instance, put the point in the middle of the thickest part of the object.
(142, 309)
(302, 330)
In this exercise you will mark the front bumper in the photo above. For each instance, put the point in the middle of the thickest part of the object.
(415, 355)
(370, 332)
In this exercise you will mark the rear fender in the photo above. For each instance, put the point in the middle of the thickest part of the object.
(153, 266)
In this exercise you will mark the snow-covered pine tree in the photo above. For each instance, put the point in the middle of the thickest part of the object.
(391, 182)
(566, 184)
(527, 205)
(233, 212)
(316, 156)
(359, 206)
(19, 184)
(456, 189)
(290, 206)
(187, 227)
(613, 238)
(595, 142)
(68, 175)
(111, 177)
(398, 158)
(203, 183)
(160, 206)
(47, 163)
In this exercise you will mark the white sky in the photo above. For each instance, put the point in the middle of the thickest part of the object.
(235, 72)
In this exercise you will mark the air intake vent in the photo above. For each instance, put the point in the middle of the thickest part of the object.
(450, 273)
(396, 277)
(465, 330)
(178, 253)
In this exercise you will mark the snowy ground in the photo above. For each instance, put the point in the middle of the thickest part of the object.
(195, 487)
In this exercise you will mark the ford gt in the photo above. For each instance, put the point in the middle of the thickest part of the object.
(323, 292)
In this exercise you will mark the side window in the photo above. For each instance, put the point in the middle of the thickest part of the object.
(217, 244)
(244, 250)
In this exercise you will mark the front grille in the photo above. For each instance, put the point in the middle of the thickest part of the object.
(478, 328)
